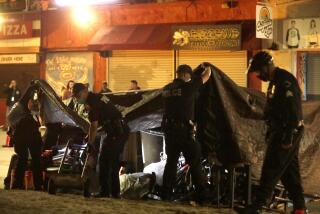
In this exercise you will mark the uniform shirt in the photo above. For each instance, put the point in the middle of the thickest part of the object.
(284, 101)
(13, 96)
(179, 98)
(101, 109)
(105, 90)
(27, 129)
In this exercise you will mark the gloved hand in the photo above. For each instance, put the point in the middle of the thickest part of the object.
(206, 64)
(286, 146)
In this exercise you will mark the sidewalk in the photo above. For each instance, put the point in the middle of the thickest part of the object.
(5, 156)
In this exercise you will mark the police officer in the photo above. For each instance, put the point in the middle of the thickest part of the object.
(103, 113)
(13, 95)
(179, 97)
(27, 138)
(283, 113)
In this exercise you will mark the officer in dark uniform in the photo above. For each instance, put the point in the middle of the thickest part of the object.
(27, 138)
(103, 113)
(179, 129)
(283, 113)
(13, 94)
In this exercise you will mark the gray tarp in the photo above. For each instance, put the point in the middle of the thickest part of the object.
(231, 128)
(53, 110)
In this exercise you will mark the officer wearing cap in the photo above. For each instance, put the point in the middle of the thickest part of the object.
(102, 113)
(283, 114)
(179, 97)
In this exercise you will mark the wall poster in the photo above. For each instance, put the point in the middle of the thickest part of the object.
(62, 67)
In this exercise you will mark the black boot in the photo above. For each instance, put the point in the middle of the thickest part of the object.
(249, 210)
(101, 195)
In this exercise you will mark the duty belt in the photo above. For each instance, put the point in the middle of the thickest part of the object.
(279, 125)
(111, 124)
(117, 122)
(169, 124)
(172, 121)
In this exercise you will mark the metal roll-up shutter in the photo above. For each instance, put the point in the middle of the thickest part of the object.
(233, 63)
(151, 68)
(313, 77)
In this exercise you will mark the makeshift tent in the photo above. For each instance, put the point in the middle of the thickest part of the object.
(229, 117)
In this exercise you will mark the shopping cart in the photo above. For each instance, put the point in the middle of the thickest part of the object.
(70, 173)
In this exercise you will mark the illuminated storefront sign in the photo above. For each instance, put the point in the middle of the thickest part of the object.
(84, 2)
(207, 37)
(16, 30)
(19, 59)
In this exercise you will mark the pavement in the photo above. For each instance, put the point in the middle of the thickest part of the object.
(5, 157)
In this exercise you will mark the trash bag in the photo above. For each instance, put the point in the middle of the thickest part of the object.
(136, 185)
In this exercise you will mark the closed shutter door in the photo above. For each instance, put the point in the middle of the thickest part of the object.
(313, 77)
(152, 69)
(234, 64)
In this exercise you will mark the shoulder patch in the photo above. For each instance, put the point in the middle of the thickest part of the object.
(289, 94)
(105, 99)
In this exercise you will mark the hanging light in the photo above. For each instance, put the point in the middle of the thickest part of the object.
(2, 20)
(83, 16)
(78, 3)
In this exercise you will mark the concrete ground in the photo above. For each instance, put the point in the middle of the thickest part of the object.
(30, 202)
(5, 156)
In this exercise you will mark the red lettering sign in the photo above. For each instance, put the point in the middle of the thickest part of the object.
(16, 30)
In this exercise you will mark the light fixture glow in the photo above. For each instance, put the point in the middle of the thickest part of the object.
(83, 16)
(79, 3)
(2, 20)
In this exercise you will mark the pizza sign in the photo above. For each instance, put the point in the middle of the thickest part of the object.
(16, 30)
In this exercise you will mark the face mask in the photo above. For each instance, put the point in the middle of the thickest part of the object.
(264, 75)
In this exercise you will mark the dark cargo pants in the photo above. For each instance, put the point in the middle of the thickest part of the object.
(180, 138)
(281, 164)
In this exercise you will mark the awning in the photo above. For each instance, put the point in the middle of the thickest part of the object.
(132, 37)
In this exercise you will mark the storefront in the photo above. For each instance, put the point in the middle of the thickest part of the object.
(151, 58)
(19, 53)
